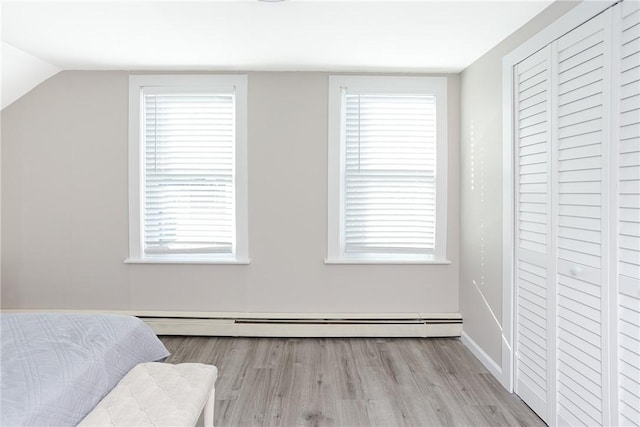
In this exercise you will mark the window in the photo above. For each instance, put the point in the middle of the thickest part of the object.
(187, 169)
(387, 169)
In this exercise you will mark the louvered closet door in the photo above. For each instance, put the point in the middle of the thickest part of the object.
(627, 157)
(533, 243)
(581, 96)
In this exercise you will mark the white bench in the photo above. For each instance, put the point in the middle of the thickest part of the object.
(158, 394)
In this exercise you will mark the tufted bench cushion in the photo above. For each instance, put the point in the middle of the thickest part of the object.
(158, 394)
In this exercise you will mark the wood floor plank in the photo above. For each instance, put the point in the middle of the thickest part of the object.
(351, 382)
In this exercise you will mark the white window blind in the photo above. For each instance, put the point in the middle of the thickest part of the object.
(389, 173)
(188, 180)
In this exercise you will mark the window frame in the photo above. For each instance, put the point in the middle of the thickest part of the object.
(192, 83)
(436, 86)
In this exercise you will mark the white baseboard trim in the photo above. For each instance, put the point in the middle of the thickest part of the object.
(242, 324)
(483, 357)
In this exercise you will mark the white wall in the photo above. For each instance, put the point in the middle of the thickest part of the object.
(481, 187)
(65, 220)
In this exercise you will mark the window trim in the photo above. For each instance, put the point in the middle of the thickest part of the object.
(336, 154)
(240, 254)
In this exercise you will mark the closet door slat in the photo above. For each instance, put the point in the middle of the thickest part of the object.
(583, 59)
(627, 153)
(533, 233)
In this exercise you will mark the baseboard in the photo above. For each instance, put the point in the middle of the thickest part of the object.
(240, 324)
(483, 357)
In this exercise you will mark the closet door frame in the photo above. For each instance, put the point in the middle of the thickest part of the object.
(572, 19)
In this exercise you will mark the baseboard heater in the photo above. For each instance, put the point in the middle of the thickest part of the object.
(242, 324)
(438, 325)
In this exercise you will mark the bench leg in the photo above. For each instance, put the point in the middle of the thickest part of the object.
(208, 408)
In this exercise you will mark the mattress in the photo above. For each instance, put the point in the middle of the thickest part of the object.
(56, 367)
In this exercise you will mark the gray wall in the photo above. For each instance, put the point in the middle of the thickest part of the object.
(65, 213)
(481, 186)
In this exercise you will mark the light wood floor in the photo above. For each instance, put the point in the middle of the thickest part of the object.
(350, 382)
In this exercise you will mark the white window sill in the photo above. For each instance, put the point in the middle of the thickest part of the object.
(372, 260)
(186, 261)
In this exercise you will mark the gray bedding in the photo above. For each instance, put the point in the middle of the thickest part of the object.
(56, 367)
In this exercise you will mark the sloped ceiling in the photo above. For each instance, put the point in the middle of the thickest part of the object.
(291, 35)
(21, 72)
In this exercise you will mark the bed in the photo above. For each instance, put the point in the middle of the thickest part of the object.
(55, 368)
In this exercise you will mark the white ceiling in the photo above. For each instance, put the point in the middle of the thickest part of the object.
(395, 36)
